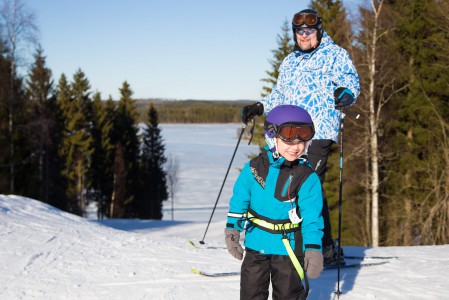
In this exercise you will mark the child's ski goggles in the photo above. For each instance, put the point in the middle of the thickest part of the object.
(291, 132)
(309, 19)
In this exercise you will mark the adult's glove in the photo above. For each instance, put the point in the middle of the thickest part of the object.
(313, 263)
(250, 111)
(232, 243)
(343, 97)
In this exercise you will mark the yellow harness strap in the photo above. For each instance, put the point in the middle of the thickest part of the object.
(281, 228)
(271, 226)
(293, 257)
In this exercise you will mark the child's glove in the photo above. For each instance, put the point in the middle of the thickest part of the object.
(343, 97)
(232, 243)
(250, 111)
(313, 263)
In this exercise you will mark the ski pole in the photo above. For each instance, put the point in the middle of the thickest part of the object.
(227, 172)
(340, 193)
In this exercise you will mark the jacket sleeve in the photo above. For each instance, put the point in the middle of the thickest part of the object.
(344, 73)
(241, 196)
(310, 203)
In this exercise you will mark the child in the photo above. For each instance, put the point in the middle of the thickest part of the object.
(277, 200)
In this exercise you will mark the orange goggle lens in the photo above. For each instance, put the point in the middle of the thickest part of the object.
(289, 132)
(308, 18)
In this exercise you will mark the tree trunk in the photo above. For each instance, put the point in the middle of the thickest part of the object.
(374, 124)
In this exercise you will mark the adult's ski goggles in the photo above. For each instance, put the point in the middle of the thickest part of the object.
(310, 19)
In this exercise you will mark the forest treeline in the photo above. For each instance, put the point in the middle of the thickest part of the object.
(61, 144)
(194, 111)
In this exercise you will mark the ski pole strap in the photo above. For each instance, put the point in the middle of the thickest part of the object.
(273, 226)
(293, 257)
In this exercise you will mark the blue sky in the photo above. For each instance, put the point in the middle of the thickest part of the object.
(172, 49)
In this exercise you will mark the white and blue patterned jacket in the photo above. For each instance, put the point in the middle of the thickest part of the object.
(309, 81)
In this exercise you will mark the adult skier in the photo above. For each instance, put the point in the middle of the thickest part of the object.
(320, 77)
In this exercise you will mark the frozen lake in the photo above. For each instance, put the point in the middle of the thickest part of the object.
(203, 153)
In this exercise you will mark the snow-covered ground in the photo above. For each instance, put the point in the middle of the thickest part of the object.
(49, 254)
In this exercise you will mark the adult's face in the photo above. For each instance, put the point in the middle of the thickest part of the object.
(307, 42)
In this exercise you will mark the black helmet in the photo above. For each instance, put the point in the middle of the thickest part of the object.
(308, 18)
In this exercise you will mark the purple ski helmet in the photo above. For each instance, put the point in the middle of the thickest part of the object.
(280, 115)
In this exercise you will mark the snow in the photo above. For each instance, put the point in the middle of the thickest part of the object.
(49, 254)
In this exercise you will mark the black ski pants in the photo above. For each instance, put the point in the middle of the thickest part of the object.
(318, 153)
(255, 277)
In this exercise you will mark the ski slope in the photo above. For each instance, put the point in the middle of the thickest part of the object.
(49, 254)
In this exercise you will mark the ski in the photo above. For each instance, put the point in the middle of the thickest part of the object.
(354, 265)
(369, 257)
(201, 246)
(214, 274)
(333, 267)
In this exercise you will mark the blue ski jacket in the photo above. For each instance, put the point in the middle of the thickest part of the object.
(309, 81)
(267, 188)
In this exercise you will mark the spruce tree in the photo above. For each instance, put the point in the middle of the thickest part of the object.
(4, 133)
(125, 134)
(285, 47)
(77, 144)
(154, 182)
(335, 21)
(40, 90)
(103, 155)
(415, 194)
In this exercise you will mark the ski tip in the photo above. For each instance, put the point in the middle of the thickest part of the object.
(196, 271)
(191, 243)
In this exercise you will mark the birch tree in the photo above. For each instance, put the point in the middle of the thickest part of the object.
(20, 29)
(172, 171)
(374, 124)
(379, 85)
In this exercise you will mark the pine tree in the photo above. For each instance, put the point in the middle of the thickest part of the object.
(103, 155)
(285, 47)
(4, 132)
(77, 144)
(335, 21)
(40, 89)
(154, 182)
(415, 195)
(125, 133)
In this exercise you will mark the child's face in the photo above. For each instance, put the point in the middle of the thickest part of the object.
(290, 150)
